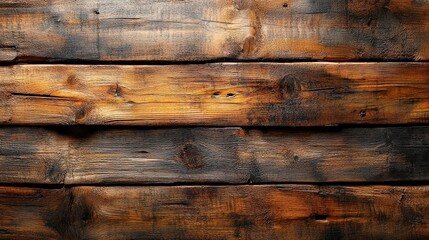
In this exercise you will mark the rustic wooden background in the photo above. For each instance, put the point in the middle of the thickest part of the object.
(214, 119)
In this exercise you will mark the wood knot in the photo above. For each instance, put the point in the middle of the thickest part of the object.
(82, 111)
(190, 156)
(72, 80)
(115, 90)
(54, 172)
(289, 86)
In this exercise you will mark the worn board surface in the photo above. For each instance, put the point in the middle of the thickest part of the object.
(212, 155)
(232, 67)
(210, 212)
(194, 30)
(225, 94)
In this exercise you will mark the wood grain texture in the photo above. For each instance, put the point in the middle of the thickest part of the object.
(215, 212)
(212, 155)
(227, 94)
(195, 30)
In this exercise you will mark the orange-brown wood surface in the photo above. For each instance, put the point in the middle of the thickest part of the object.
(195, 30)
(226, 94)
(212, 155)
(214, 119)
(214, 212)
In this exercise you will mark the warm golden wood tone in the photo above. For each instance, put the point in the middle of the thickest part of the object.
(246, 94)
(212, 155)
(201, 212)
(214, 29)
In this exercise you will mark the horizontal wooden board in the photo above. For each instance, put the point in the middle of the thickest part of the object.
(215, 212)
(212, 155)
(225, 94)
(196, 30)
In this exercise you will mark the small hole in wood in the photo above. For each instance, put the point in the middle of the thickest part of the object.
(320, 217)
(362, 113)
(285, 5)
(216, 94)
(230, 94)
(96, 12)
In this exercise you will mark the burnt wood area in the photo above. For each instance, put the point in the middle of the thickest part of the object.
(214, 119)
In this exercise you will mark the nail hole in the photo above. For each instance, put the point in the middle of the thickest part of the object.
(96, 12)
(362, 113)
(320, 217)
(216, 94)
(285, 5)
(230, 95)
(369, 22)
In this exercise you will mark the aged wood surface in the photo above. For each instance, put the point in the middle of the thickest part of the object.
(213, 155)
(215, 212)
(213, 29)
(227, 94)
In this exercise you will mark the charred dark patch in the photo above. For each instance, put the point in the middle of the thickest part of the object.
(412, 216)
(71, 217)
(381, 217)
(255, 172)
(382, 31)
(336, 232)
(191, 193)
(317, 171)
(409, 152)
(191, 156)
(240, 222)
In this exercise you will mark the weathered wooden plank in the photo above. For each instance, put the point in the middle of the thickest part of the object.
(213, 155)
(227, 94)
(215, 212)
(213, 29)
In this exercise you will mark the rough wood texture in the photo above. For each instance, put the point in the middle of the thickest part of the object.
(228, 94)
(211, 155)
(245, 212)
(214, 29)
